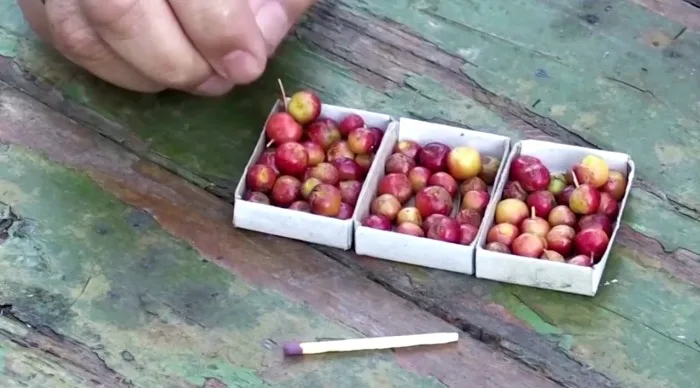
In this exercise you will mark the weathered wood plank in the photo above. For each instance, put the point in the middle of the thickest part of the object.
(156, 299)
(478, 65)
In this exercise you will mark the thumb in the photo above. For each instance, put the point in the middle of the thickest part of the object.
(276, 17)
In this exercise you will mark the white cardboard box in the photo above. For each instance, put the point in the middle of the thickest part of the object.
(544, 273)
(422, 251)
(294, 224)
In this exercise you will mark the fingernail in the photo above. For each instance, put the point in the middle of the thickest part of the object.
(214, 86)
(242, 67)
(273, 23)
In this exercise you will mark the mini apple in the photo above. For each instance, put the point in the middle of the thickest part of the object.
(445, 229)
(257, 197)
(323, 132)
(378, 135)
(608, 205)
(315, 151)
(497, 247)
(513, 189)
(565, 195)
(445, 180)
(434, 156)
(281, 128)
(552, 256)
(291, 158)
(489, 169)
(591, 242)
(596, 221)
(268, 158)
(397, 185)
(345, 212)
(475, 200)
(301, 206)
(616, 185)
(585, 199)
(582, 260)
(326, 173)
(469, 216)
(561, 215)
(560, 239)
(467, 233)
(534, 177)
(592, 170)
(503, 233)
(364, 161)
(376, 221)
(410, 229)
(557, 183)
(433, 200)
(520, 163)
(409, 214)
(430, 220)
(308, 186)
(528, 245)
(474, 183)
(399, 163)
(409, 148)
(286, 190)
(339, 149)
(543, 201)
(386, 205)
(419, 177)
(348, 169)
(350, 122)
(512, 211)
(304, 106)
(325, 200)
(463, 162)
(349, 191)
(261, 178)
(535, 225)
(361, 140)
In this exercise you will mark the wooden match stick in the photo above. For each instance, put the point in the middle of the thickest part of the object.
(299, 348)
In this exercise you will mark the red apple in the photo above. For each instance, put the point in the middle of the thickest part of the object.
(281, 128)
(257, 197)
(291, 158)
(378, 135)
(345, 212)
(301, 206)
(445, 229)
(430, 220)
(364, 161)
(557, 184)
(338, 150)
(467, 233)
(534, 177)
(433, 200)
(503, 233)
(528, 245)
(260, 178)
(469, 216)
(349, 191)
(386, 205)
(399, 163)
(348, 169)
(608, 205)
(552, 256)
(535, 225)
(361, 140)
(350, 122)
(315, 151)
(444, 180)
(560, 239)
(397, 185)
(308, 186)
(463, 162)
(268, 158)
(584, 200)
(475, 184)
(512, 211)
(409, 148)
(513, 189)
(582, 260)
(595, 221)
(565, 195)
(592, 170)
(325, 200)
(410, 229)
(616, 185)
(543, 202)
(520, 163)
(591, 241)
(304, 106)
(326, 173)
(409, 214)
(475, 200)
(562, 215)
(376, 221)
(434, 156)
(286, 190)
(323, 132)
(419, 178)
(497, 247)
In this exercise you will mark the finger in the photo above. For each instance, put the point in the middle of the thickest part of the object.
(225, 33)
(276, 17)
(146, 34)
(35, 15)
(78, 42)
(214, 86)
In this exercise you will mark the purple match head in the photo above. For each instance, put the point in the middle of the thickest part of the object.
(293, 349)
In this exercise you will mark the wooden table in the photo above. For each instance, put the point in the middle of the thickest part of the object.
(119, 266)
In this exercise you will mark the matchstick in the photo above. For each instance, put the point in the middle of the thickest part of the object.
(299, 348)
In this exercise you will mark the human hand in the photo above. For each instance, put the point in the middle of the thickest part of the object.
(203, 47)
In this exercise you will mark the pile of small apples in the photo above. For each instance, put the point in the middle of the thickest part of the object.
(313, 164)
(421, 186)
(559, 217)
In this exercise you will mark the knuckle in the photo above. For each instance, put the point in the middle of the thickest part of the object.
(112, 12)
(181, 75)
(76, 40)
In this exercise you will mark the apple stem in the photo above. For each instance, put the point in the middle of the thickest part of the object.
(269, 144)
(532, 212)
(573, 176)
(591, 259)
(284, 95)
